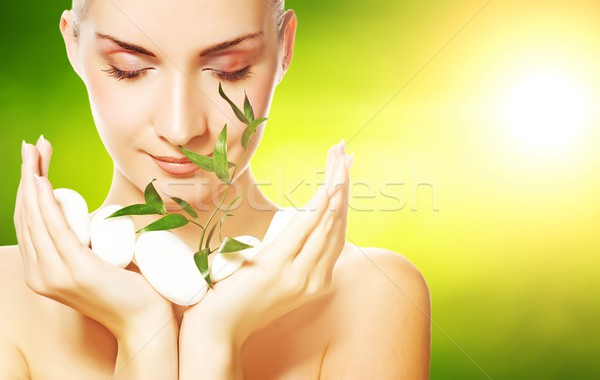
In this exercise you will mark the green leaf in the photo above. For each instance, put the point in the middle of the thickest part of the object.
(232, 245)
(204, 162)
(249, 131)
(153, 199)
(248, 111)
(201, 260)
(166, 223)
(220, 162)
(221, 225)
(259, 121)
(186, 207)
(137, 209)
(236, 110)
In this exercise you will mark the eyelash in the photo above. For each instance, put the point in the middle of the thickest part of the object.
(231, 76)
(121, 74)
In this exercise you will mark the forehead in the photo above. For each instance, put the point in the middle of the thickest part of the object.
(178, 26)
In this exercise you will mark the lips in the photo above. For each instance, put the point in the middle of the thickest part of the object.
(176, 166)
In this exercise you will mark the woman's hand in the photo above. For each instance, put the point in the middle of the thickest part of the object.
(287, 273)
(59, 267)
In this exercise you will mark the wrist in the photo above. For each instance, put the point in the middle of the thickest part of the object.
(221, 333)
(207, 352)
(148, 351)
(145, 325)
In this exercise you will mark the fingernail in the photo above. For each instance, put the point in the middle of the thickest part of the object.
(342, 147)
(40, 142)
(349, 161)
(27, 151)
(23, 150)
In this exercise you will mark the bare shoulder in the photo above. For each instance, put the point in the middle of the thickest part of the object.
(11, 274)
(385, 330)
(14, 295)
(393, 274)
(20, 304)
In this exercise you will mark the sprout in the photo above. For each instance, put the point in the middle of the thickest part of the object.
(217, 164)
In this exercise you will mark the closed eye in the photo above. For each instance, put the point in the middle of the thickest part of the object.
(122, 74)
(233, 76)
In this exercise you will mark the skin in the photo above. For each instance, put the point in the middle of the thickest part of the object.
(301, 295)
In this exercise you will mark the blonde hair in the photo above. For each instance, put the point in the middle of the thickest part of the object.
(80, 8)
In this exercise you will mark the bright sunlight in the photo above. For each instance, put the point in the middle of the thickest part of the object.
(546, 109)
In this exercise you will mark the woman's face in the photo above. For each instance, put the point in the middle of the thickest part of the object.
(152, 70)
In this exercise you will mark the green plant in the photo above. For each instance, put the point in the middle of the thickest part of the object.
(218, 164)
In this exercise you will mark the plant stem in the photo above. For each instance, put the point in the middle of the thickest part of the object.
(220, 203)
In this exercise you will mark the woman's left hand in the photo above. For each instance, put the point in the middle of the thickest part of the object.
(287, 273)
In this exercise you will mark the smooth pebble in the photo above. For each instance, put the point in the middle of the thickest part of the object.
(113, 240)
(75, 210)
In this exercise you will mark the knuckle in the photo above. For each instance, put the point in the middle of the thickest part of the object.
(319, 284)
(56, 278)
(81, 279)
(16, 219)
(314, 287)
(28, 220)
(296, 283)
(56, 283)
(31, 283)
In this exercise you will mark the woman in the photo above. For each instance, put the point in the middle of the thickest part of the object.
(310, 306)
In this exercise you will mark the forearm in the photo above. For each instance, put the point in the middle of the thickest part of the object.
(148, 354)
(203, 355)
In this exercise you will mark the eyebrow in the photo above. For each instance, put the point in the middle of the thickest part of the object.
(227, 44)
(208, 51)
(124, 45)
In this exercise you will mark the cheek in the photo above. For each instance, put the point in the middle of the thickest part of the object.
(117, 109)
(260, 97)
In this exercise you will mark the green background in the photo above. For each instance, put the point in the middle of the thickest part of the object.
(505, 234)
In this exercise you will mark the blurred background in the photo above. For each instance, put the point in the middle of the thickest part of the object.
(475, 126)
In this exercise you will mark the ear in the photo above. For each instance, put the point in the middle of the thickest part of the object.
(290, 23)
(67, 29)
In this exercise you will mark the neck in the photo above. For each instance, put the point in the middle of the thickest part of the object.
(251, 214)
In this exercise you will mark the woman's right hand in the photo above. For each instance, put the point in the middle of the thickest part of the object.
(59, 267)
(285, 274)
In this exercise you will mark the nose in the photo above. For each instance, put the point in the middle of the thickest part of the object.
(178, 113)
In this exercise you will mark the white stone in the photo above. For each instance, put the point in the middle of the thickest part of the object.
(75, 210)
(168, 265)
(113, 240)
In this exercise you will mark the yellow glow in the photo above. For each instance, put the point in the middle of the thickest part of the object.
(546, 109)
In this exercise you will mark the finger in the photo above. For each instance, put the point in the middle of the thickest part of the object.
(338, 150)
(313, 248)
(288, 242)
(337, 236)
(27, 256)
(35, 228)
(63, 238)
(45, 149)
(28, 251)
